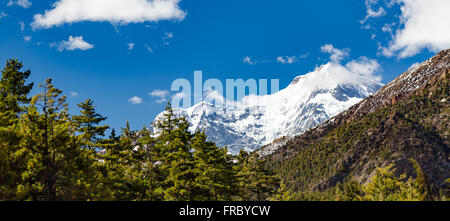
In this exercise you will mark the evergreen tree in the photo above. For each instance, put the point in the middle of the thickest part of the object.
(352, 191)
(385, 186)
(215, 177)
(117, 163)
(13, 92)
(149, 171)
(421, 183)
(283, 194)
(87, 124)
(12, 162)
(256, 182)
(56, 165)
(174, 153)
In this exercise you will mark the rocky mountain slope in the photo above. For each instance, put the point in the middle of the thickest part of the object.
(308, 101)
(408, 118)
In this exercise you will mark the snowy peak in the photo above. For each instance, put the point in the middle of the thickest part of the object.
(258, 120)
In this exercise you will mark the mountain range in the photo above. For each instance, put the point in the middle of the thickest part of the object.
(309, 100)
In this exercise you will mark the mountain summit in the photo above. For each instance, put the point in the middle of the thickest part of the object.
(308, 101)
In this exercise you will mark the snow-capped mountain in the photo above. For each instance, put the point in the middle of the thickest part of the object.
(257, 120)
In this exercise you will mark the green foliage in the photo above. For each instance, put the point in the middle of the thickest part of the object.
(215, 177)
(48, 154)
(13, 92)
(87, 124)
(352, 191)
(386, 186)
(56, 165)
(283, 194)
(173, 164)
(256, 181)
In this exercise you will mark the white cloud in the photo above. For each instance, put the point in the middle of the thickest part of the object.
(387, 28)
(290, 59)
(423, 25)
(371, 12)
(162, 95)
(23, 3)
(215, 97)
(113, 11)
(167, 36)
(336, 55)
(364, 66)
(74, 43)
(22, 25)
(3, 14)
(27, 38)
(248, 60)
(74, 94)
(354, 70)
(149, 49)
(135, 100)
(130, 46)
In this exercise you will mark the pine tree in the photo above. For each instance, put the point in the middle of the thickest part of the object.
(352, 191)
(12, 162)
(117, 162)
(256, 182)
(13, 92)
(385, 186)
(173, 152)
(56, 163)
(148, 168)
(283, 194)
(87, 124)
(421, 183)
(215, 177)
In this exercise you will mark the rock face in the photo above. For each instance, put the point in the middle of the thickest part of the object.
(407, 118)
(308, 101)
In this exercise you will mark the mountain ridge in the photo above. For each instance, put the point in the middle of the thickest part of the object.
(407, 118)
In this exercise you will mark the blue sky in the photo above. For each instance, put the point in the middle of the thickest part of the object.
(115, 56)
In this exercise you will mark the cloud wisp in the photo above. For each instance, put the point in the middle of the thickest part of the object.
(336, 55)
(290, 59)
(361, 68)
(74, 94)
(371, 12)
(22, 3)
(166, 38)
(72, 44)
(130, 46)
(27, 38)
(161, 95)
(248, 60)
(2, 14)
(135, 100)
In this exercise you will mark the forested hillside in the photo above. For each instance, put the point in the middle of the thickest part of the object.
(408, 119)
